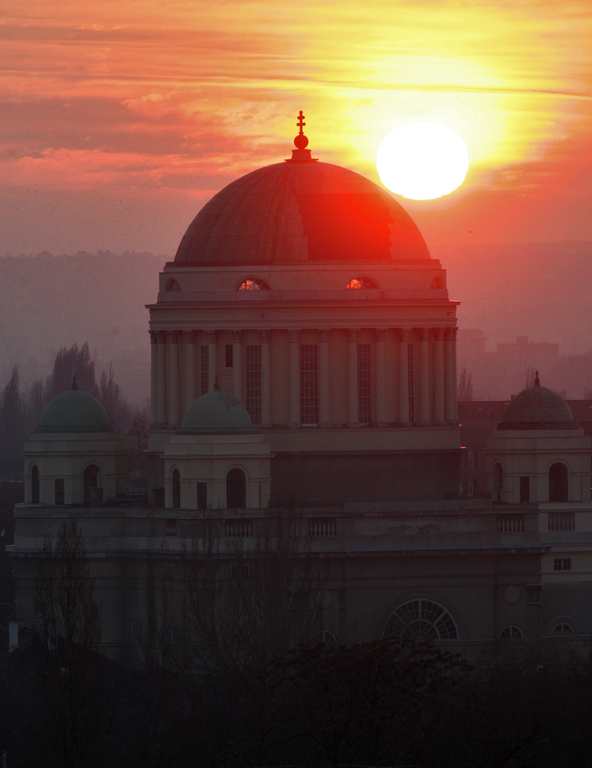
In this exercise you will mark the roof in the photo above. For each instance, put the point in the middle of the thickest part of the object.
(537, 408)
(301, 212)
(75, 411)
(217, 412)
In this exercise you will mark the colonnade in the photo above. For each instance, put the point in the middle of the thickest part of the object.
(425, 375)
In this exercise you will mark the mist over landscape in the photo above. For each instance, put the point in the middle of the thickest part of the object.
(537, 290)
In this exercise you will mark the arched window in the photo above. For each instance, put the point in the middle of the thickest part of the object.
(326, 637)
(498, 481)
(558, 482)
(421, 620)
(236, 489)
(34, 484)
(253, 284)
(91, 480)
(172, 285)
(563, 627)
(511, 632)
(363, 282)
(176, 489)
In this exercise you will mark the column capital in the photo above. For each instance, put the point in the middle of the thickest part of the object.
(403, 334)
(422, 333)
(450, 334)
(236, 336)
(173, 336)
(353, 335)
(189, 336)
(324, 335)
(264, 336)
(162, 337)
(380, 333)
(210, 337)
(294, 335)
(153, 337)
(438, 334)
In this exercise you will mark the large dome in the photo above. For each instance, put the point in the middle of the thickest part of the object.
(75, 411)
(301, 211)
(537, 408)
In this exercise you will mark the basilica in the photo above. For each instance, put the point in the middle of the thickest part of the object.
(303, 356)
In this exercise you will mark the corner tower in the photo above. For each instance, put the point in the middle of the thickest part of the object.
(311, 294)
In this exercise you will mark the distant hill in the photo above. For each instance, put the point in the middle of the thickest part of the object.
(48, 301)
(540, 290)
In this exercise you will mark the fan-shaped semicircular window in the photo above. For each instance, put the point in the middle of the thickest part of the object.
(421, 620)
(363, 282)
(511, 632)
(172, 285)
(253, 284)
(563, 627)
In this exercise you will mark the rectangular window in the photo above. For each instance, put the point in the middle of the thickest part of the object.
(59, 491)
(562, 563)
(239, 571)
(135, 631)
(253, 382)
(364, 384)
(471, 460)
(524, 490)
(229, 356)
(470, 487)
(410, 382)
(170, 527)
(204, 370)
(202, 495)
(309, 385)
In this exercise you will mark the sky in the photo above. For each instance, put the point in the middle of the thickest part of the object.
(119, 120)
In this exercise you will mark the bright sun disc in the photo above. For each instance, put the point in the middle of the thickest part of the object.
(422, 161)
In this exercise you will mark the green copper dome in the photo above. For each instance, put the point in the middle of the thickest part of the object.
(75, 411)
(537, 408)
(217, 411)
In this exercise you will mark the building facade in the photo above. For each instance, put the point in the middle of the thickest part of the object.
(303, 362)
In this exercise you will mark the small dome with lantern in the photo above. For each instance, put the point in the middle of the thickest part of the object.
(537, 408)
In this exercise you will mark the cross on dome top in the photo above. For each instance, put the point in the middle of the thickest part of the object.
(301, 153)
(300, 124)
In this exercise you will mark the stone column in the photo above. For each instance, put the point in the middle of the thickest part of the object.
(438, 376)
(449, 377)
(162, 382)
(153, 378)
(190, 363)
(403, 334)
(424, 381)
(265, 379)
(454, 376)
(211, 342)
(353, 376)
(173, 343)
(294, 379)
(324, 390)
(237, 365)
(380, 377)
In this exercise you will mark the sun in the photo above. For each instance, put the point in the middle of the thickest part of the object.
(422, 161)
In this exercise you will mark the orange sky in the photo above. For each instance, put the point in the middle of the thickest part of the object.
(119, 119)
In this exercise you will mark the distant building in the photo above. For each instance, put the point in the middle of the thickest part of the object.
(525, 356)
